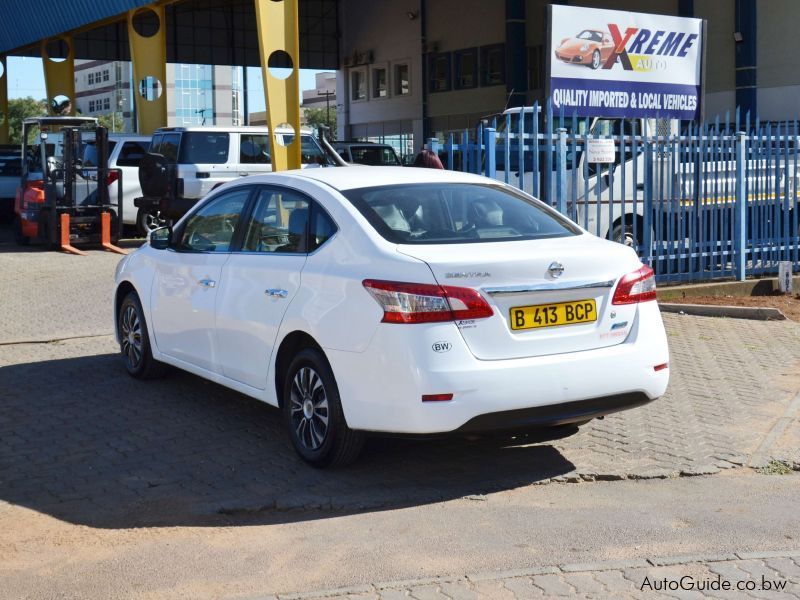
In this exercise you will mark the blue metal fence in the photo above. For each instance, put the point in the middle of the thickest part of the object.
(702, 202)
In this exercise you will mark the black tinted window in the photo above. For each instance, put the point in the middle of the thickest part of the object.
(131, 153)
(374, 155)
(169, 146)
(211, 228)
(204, 148)
(322, 228)
(453, 213)
(254, 149)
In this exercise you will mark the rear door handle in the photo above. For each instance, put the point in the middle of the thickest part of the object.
(276, 293)
(209, 283)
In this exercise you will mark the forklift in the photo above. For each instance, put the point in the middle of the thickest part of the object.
(61, 202)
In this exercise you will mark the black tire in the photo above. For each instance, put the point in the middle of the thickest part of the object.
(624, 235)
(313, 413)
(21, 240)
(595, 60)
(154, 176)
(134, 341)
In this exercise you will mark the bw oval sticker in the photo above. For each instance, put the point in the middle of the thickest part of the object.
(442, 346)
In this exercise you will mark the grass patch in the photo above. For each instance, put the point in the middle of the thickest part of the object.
(775, 467)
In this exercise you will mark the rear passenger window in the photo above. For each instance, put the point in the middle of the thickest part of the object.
(131, 154)
(204, 148)
(279, 222)
(254, 150)
(322, 228)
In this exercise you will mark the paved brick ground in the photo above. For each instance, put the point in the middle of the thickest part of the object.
(748, 575)
(82, 441)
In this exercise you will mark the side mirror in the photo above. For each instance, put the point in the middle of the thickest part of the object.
(160, 238)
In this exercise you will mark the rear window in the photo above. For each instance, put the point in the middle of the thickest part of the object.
(204, 148)
(374, 156)
(456, 213)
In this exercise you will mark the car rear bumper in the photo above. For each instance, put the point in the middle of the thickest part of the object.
(382, 388)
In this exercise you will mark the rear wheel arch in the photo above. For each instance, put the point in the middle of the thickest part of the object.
(289, 347)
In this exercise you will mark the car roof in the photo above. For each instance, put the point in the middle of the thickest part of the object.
(232, 129)
(128, 137)
(361, 176)
(352, 143)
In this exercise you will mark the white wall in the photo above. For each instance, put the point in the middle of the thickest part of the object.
(384, 28)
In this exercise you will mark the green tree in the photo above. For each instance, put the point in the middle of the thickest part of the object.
(20, 109)
(319, 116)
(112, 121)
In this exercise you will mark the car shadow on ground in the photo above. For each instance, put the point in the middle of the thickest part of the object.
(85, 443)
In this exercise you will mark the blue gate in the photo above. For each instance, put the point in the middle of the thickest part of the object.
(702, 202)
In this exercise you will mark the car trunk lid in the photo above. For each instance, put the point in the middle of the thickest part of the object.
(539, 308)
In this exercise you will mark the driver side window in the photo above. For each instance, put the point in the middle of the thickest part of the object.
(211, 228)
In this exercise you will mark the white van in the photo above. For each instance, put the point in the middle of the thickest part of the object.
(186, 163)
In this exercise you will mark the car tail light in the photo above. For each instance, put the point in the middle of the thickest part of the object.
(112, 177)
(426, 303)
(639, 286)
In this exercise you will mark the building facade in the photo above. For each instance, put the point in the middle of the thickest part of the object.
(196, 94)
(425, 68)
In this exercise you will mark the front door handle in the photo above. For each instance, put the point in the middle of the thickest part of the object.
(209, 283)
(276, 293)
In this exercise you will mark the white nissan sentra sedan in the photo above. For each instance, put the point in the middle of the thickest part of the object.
(387, 299)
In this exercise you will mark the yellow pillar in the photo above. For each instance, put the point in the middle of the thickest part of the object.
(3, 101)
(59, 78)
(149, 57)
(278, 34)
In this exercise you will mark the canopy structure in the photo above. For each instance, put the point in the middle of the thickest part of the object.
(268, 33)
(215, 32)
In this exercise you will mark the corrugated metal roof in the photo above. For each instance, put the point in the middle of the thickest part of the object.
(24, 22)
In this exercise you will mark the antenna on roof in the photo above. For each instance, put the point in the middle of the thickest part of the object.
(508, 100)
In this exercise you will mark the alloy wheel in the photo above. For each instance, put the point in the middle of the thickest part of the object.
(309, 408)
(131, 336)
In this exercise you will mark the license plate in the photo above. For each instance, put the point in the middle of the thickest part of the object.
(552, 315)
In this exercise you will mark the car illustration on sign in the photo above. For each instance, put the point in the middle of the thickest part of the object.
(590, 47)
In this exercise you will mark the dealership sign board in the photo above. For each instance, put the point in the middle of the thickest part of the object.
(610, 63)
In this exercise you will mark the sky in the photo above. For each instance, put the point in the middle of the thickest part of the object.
(26, 78)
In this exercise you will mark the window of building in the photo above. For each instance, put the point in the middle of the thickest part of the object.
(90, 79)
(105, 74)
(358, 85)
(380, 85)
(439, 72)
(402, 80)
(493, 65)
(91, 105)
(106, 103)
(194, 95)
(466, 69)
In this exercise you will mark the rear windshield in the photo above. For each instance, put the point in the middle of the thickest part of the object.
(204, 148)
(456, 213)
(374, 156)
